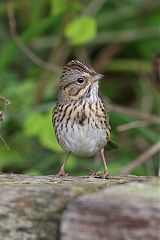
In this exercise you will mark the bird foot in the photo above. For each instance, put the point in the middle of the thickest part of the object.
(62, 173)
(104, 175)
(99, 174)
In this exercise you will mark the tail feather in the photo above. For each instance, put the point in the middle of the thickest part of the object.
(111, 145)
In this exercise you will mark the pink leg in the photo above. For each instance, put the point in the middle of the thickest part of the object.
(106, 173)
(62, 169)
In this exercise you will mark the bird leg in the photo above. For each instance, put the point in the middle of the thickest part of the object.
(106, 173)
(99, 174)
(62, 172)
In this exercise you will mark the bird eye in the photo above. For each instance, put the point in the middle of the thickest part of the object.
(80, 80)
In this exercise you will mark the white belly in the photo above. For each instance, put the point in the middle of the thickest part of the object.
(84, 140)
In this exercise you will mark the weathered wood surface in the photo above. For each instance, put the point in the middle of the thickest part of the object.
(47, 207)
(121, 212)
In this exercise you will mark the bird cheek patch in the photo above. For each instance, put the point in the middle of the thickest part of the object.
(80, 92)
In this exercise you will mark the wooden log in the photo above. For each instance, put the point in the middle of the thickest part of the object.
(31, 208)
(128, 212)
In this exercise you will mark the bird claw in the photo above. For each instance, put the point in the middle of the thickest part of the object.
(62, 173)
(99, 174)
(106, 175)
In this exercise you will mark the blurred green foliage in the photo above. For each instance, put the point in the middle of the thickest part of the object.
(116, 37)
(81, 31)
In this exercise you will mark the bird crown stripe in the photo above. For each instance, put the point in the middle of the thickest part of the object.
(77, 65)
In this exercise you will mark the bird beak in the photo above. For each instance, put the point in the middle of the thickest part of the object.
(97, 77)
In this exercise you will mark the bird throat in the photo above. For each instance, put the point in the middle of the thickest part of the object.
(91, 96)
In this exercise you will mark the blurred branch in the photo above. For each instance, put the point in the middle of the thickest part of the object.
(129, 65)
(131, 125)
(113, 17)
(25, 49)
(148, 5)
(141, 159)
(132, 112)
(156, 72)
(125, 12)
(93, 7)
(105, 55)
(126, 35)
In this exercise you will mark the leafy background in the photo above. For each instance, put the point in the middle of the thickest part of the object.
(118, 38)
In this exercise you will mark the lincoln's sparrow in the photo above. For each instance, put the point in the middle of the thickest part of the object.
(79, 118)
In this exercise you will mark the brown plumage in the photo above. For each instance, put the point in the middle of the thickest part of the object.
(80, 120)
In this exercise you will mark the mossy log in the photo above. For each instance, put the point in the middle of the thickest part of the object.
(75, 208)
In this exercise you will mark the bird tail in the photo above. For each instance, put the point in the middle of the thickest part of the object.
(111, 145)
